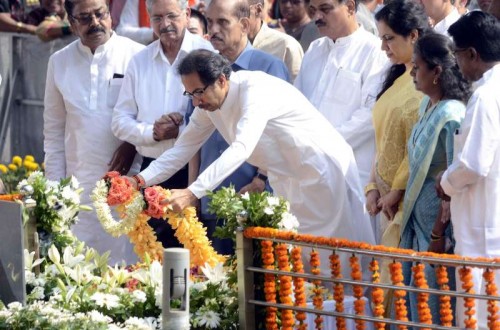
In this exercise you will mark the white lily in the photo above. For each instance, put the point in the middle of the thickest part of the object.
(215, 274)
(29, 263)
(54, 255)
(120, 274)
(71, 260)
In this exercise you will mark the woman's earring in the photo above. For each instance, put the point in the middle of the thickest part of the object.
(435, 81)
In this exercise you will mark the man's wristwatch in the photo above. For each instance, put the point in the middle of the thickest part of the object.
(261, 176)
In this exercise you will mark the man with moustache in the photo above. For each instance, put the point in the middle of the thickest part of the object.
(228, 26)
(341, 75)
(80, 92)
(150, 111)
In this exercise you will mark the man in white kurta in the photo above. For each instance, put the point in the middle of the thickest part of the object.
(307, 161)
(473, 179)
(79, 96)
(341, 75)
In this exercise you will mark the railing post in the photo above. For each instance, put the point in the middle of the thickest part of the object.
(245, 281)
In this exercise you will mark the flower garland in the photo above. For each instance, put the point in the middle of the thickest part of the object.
(424, 312)
(465, 274)
(11, 197)
(114, 190)
(444, 301)
(299, 289)
(400, 303)
(338, 289)
(269, 284)
(256, 232)
(377, 295)
(491, 290)
(287, 319)
(359, 304)
(318, 298)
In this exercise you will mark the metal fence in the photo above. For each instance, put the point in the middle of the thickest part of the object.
(23, 66)
(247, 270)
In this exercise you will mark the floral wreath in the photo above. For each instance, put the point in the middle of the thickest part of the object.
(135, 209)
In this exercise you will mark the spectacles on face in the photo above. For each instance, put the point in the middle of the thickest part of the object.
(171, 17)
(86, 19)
(197, 93)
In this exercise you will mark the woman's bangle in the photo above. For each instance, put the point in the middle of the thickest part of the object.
(435, 237)
(139, 181)
(19, 26)
(369, 187)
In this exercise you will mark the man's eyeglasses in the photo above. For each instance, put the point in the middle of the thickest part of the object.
(198, 93)
(88, 18)
(171, 17)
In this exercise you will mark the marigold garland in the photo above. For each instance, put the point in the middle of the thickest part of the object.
(424, 312)
(318, 298)
(491, 290)
(285, 292)
(269, 284)
(338, 289)
(11, 197)
(359, 303)
(117, 191)
(299, 289)
(445, 309)
(400, 302)
(465, 274)
(377, 295)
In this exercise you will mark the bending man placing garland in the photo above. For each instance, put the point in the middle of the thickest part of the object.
(307, 160)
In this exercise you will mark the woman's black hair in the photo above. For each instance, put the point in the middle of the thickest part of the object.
(403, 17)
(437, 50)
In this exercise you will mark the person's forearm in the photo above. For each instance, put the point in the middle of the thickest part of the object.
(8, 24)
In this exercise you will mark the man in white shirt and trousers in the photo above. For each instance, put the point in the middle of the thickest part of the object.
(342, 74)
(473, 179)
(150, 111)
(83, 80)
(271, 125)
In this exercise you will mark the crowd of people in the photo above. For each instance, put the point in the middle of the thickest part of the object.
(310, 99)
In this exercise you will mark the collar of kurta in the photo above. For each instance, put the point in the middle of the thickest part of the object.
(342, 41)
(102, 48)
(232, 94)
(243, 62)
(186, 47)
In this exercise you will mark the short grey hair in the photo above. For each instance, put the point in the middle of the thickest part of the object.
(183, 4)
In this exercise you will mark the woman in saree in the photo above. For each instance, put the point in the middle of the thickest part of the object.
(400, 24)
(425, 222)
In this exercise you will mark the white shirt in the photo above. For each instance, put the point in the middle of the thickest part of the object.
(342, 80)
(443, 25)
(151, 88)
(281, 45)
(129, 24)
(473, 183)
(307, 161)
(79, 98)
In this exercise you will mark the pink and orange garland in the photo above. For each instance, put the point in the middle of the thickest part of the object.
(285, 292)
(318, 294)
(359, 303)
(338, 289)
(188, 230)
(267, 250)
(377, 295)
(299, 289)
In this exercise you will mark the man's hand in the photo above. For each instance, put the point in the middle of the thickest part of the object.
(257, 185)
(180, 199)
(167, 127)
(123, 158)
(439, 190)
(389, 203)
(372, 198)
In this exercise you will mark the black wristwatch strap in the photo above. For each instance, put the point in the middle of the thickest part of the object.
(261, 176)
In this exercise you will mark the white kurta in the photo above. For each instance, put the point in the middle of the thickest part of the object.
(270, 124)
(443, 25)
(473, 180)
(342, 80)
(151, 88)
(79, 98)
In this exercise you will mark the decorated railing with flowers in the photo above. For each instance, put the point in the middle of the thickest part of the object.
(284, 279)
